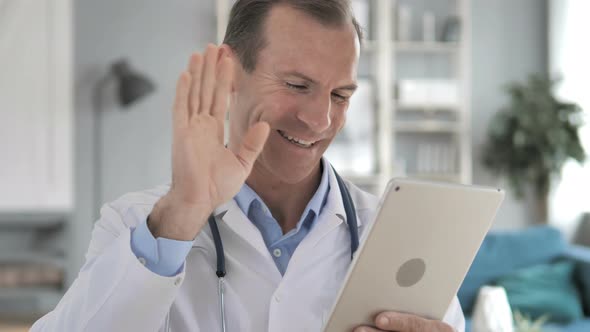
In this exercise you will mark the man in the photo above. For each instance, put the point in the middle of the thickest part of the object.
(288, 69)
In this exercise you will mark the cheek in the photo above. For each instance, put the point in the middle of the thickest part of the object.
(278, 108)
(339, 116)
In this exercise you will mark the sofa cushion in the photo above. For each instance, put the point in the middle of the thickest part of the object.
(582, 325)
(544, 289)
(581, 255)
(503, 252)
(577, 326)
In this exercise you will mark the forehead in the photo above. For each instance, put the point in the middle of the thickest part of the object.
(297, 41)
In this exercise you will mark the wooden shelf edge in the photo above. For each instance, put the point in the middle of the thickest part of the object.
(50, 218)
(32, 256)
(427, 47)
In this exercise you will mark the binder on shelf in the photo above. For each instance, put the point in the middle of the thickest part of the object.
(22, 275)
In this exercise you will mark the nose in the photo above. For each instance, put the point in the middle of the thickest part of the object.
(316, 113)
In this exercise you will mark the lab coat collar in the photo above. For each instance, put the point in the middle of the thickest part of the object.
(247, 195)
(232, 216)
(332, 215)
(335, 203)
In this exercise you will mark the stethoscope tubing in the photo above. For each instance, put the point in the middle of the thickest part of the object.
(349, 209)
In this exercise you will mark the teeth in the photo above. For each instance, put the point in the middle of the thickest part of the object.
(296, 140)
(300, 141)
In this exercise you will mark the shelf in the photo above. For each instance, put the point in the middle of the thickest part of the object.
(33, 257)
(444, 177)
(427, 107)
(28, 301)
(369, 46)
(363, 180)
(427, 126)
(426, 47)
(29, 292)
(413, 47)
(44, 219)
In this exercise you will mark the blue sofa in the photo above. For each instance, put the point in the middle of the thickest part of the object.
(504, 252)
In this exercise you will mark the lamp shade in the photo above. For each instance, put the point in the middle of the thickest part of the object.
(132, 85)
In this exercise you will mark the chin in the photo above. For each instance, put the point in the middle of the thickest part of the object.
(287, 167)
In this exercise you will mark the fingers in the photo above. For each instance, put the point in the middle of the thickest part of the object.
(366, 329)
(223, 88)
(196, 69)
(252, 145)
(399, 322)
(208, 79)
(211, 82)
(180, 112)
(395, 321)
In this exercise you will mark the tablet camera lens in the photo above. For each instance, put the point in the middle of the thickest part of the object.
(411, 272)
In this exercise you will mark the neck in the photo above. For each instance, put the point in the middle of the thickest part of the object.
(286, 201)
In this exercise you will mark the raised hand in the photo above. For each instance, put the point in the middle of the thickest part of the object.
(204, 172)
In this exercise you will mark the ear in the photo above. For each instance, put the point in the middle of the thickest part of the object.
(227, 51)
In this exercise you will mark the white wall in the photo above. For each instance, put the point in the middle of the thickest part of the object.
(569, 55)
(157, 37)
(509, 43)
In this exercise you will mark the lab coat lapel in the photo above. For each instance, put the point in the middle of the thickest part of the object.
(237, 231)
(333, 214)
(233, 217)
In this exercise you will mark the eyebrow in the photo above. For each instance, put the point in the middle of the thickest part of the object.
(351, 87)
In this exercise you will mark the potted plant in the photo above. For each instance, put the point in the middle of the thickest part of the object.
(524, 323)
(530, 139)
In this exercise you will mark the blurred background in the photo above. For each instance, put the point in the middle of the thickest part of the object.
(450, 90)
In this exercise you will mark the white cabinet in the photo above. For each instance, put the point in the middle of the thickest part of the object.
(431, 107)
(35, 105)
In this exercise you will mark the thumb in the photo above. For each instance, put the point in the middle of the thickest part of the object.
(253, 144)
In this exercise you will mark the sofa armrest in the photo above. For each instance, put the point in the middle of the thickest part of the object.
(580, 254)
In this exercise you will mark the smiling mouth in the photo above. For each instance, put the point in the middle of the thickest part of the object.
(296, 141)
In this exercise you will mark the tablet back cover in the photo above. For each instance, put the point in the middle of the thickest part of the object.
(417, 252)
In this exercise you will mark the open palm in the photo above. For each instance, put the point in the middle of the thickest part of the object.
(204, 172)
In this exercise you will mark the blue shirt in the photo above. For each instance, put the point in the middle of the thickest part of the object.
(166, 257)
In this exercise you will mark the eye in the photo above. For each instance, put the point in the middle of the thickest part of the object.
(339, 97)
(296, 86)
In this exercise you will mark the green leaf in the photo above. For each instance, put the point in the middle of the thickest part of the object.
(531, 138)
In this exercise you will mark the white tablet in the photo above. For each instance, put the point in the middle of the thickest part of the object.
(417, 252)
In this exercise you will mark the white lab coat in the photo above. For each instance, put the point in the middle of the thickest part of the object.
(115, 292)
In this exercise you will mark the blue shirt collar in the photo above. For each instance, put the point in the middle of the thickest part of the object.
(246, 196)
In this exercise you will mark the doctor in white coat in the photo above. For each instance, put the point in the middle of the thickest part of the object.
(285, 73)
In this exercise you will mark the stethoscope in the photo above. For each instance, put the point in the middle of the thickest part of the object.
(349, 209)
